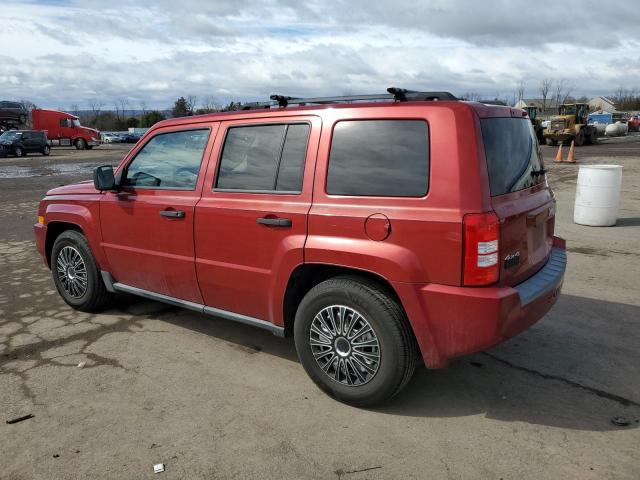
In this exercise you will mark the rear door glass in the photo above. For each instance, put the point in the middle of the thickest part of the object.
(385, 158)
(513, 155)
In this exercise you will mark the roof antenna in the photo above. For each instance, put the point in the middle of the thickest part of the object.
(282, 100)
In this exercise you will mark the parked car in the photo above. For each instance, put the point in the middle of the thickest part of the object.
(129, 138)
(110, 138)
(65, 129)
(23, 142)
(634, 123)
(373, 233)
(13, 112)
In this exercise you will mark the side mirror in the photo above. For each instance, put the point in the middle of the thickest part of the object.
(103, 178)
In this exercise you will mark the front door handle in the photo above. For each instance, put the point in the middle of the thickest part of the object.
(172, 213)
(274, 222)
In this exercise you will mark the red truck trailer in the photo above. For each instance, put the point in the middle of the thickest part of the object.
(64, 129)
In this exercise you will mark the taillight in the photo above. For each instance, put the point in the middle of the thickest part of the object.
(481, 249)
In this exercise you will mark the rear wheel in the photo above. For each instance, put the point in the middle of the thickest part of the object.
(354, 341)
(81, 144)
(75, 273)
(46, 150)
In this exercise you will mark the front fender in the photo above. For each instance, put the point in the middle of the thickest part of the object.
(84, 214)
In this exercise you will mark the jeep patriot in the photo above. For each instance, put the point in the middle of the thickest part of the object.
(375, 230)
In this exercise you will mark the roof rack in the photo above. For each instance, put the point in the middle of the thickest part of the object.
(395, 94)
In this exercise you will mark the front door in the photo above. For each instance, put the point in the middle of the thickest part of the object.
(147, 226)
(251, 223)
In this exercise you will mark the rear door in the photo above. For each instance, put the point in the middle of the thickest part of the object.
(251, 223)
(147, 226)
(520, 196)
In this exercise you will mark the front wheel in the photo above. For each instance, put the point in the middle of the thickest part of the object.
(46, 150)
(354, 341)
(81, 144)
(19, 151)
(76, 274)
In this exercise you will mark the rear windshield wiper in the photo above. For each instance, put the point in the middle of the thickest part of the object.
(535, 173)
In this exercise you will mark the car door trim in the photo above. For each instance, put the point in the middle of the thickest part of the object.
(112, 286)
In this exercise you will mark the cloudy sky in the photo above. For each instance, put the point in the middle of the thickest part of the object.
(57, 53)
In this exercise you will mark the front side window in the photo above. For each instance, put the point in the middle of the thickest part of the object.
(168, 161)
(264, 158)
(388, 158)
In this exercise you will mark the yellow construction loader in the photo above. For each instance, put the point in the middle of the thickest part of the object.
(571, 124)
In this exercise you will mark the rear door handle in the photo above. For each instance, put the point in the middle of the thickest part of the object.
(274, 222)
(172, 213)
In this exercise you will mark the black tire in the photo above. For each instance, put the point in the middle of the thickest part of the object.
(579, 140)
(398, 350)
(19, 152)
(81, 144)
(46, 150)
(95, 296)
(89, 147)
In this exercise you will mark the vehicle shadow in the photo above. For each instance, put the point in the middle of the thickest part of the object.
(575, 369)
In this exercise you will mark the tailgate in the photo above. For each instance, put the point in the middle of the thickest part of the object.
(526, 233)
(520, 196)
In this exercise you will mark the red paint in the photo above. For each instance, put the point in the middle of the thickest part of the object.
(220, 256)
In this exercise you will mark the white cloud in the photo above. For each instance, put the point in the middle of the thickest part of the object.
(72, 52)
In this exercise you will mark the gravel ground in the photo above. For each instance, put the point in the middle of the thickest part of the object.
(216, 400)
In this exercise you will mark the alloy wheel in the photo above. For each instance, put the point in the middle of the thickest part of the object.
(344, 345)
(72, 272)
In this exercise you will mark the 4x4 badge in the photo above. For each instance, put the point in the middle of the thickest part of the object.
(512, 260)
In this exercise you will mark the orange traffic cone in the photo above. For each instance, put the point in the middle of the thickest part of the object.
(559, 154)
(571, 157)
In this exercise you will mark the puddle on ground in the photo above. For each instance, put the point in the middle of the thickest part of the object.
(14, 171)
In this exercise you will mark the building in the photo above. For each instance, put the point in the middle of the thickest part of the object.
(602, 103)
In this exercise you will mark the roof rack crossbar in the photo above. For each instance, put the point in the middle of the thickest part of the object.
(395, 94)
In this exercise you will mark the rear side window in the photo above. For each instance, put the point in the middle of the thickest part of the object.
(264, 158)
(388, 158)
(169, 161)
(513, 154)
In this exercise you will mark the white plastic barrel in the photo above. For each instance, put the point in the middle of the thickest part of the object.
(598, 195)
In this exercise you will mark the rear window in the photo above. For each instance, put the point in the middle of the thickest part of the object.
(513, 156)
(386, 158)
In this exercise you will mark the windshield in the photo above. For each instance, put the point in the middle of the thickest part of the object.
(75, 122)
(513, 155)
(568, 110)
(10, 135)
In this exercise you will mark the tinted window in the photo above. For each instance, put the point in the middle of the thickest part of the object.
(263, 158)
(293, 156)
(379, 158)
(513, 154)
(168, 161)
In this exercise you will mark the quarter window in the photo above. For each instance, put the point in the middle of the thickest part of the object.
(168, 161)
(264, 158)
(387, 158)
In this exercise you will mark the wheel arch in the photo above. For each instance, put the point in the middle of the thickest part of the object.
(307, 275)
(54, 230)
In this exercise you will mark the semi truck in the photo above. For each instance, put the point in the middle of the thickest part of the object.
(64, 129)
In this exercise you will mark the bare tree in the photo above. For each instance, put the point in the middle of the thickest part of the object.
(143, 106)
(545, 87)
(471, 96)
(191, 103)
(568, 90)
(95, 105)
(75, 109)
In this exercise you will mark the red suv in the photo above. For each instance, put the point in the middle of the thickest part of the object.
(374, 229)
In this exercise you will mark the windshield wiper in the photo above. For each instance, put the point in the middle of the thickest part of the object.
(535, 173)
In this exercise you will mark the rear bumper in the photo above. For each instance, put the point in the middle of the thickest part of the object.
(452, 321)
